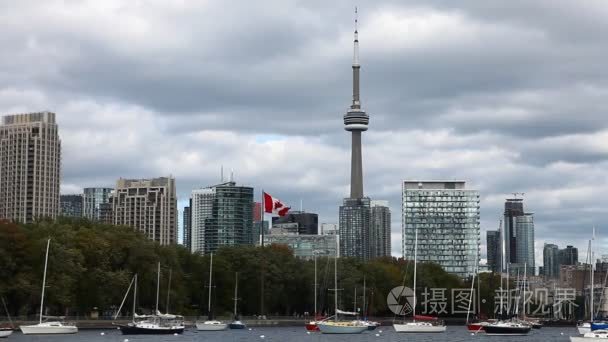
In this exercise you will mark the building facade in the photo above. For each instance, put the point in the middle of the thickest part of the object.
(148, 205)
(354, 228)
(71, 205)
(308, 223)
(518, 237)
(380, 230)
(187, 227)
(30, 167)
(222, 215)
(493, 253)
(445, 217)
(106, 212)
(568, 256)
(329, 229)
(304, 246)
(93, 199)
(550, 261)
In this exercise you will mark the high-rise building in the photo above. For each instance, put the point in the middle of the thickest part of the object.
(222, 215)
(148, 205)
(380, 230)
(355, 220)
(518, 237)
(71, 205)
(550, 261)
(308, 223)
(445, 217)
(568, 256)
(93, 199)
(355, 211)
(30, 162)
(493, 253)
(106, 212)
(187, 226)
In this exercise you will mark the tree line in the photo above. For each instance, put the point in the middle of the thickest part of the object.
(91, 265)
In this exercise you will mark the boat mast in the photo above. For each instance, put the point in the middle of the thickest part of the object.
(134, 297)
(415, 262)
(364, 302)
(46, 261)
(336, 287)
(236, 291)
(315, 285)
(210, 279)
(502, 262)
(525, 277)
(472, 285)
(592, 294)
(517, 298)
(355, 302)
(157, 287)
(169, 289)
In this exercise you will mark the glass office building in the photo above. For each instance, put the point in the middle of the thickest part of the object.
(305, 245)
(355, 214)
(446, 216)
(222, 215)
(92, 200)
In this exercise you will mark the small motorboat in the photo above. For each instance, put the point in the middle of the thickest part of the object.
(211, 326)
(596, 335)
(237, 324)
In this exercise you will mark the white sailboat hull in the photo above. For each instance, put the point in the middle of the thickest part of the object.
(48, 328)
(419, 328)
(341, 329)
(5, 333)
(584, 328)
(211, 326)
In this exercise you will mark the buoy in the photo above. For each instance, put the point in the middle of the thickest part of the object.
(249, 329)
(102, 334)
(308, 332)
(380, 331)
(262, 336)
(472, 334)
(377, 335)
(126, 340)
(562, 334)
(174, 334)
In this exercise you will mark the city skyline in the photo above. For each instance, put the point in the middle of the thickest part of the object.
(465, 92)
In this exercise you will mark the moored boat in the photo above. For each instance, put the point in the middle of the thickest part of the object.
(210, 324)
(48, 327)
(507, 328)
(597, 335)
(5, 332)
(342, 327)
(477, 327)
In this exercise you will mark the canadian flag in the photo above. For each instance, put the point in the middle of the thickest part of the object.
(274, 205)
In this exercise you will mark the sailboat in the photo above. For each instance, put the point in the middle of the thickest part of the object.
(506, 327)
(48, 327)
(6, 331)
(210, 324)
(157, 324)
(477, 326)
(236, 323)
(336, 326)
(371, 325)
(418, 326)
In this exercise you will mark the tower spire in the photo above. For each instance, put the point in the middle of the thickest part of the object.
(356, 40)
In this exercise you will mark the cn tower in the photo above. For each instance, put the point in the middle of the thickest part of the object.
(356, 121)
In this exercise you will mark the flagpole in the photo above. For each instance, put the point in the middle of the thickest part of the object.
(262, 220)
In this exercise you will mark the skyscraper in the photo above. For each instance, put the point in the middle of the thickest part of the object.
(148, 205)
(355, 211)
(568, 256)
(445, 216)
(380, 230)
(222, 215)
(550, 261)
(493, 253)
(187, 226)
(93, 199)
(518, 237)
(30, 161)
(71, 205)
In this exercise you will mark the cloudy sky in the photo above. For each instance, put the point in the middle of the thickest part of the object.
(509, 96)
